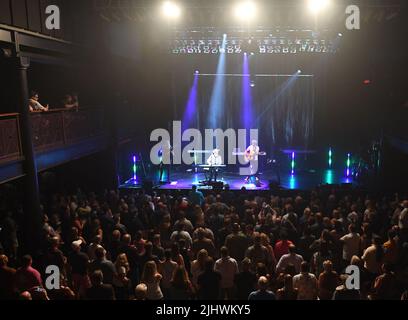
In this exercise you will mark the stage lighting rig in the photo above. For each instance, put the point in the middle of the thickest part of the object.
(267, 41)
(171, 10)
(250, 46)
(246, 10)
(317, 6)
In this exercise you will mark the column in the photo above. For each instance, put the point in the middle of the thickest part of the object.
(32, 207)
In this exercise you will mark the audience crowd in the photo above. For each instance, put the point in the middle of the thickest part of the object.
(222, 246)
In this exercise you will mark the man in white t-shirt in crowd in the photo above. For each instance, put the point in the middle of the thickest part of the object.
(290, 258)
(306, 283)
(180, 233)
(351, 244)
(228, 268)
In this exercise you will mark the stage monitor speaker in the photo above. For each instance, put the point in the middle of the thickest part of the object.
(274, 185)
(347, 186)
(147, 185)
(219, 186)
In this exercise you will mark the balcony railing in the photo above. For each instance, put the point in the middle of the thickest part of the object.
(10, 146)
(50, 130)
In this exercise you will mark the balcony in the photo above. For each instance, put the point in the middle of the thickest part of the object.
(10, 147)
(58, 136)
(59, 128)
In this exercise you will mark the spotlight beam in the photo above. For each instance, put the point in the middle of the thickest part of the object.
(218, 93)
(245, 10)
(317, 6)
(278, 93)
(171, 10)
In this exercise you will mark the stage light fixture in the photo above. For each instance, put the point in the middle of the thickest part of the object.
(330, 157)
(299, 71)
(329, 177)
(171, 10)
(134, 169)
(245, 10)
(348, 163)
(316, 6)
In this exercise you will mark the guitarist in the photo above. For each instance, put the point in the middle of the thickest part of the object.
(252, 155)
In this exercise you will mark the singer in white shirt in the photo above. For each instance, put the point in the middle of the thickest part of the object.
(214, 160)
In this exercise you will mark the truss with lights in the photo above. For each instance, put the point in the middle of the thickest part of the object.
(266, 46)
(209, 41)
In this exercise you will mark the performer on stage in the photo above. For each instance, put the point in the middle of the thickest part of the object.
(213, 161)
(252, 156)
(165, 154)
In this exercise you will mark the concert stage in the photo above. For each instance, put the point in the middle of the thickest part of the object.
(305, 180)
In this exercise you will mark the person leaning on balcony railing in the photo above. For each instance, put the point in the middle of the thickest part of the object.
(76, 99)
(70, 101)
(34, 105)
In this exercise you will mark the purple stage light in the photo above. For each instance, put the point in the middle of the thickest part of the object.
(191, 108)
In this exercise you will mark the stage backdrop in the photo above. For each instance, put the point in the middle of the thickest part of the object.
(280, 107)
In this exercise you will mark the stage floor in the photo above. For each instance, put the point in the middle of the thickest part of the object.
(299, 181)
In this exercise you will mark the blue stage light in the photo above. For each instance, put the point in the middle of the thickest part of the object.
(219, 90)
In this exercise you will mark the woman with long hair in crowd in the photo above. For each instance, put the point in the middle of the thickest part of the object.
(181, 287)
(121, 282)
(151, 278)
(198, 265)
